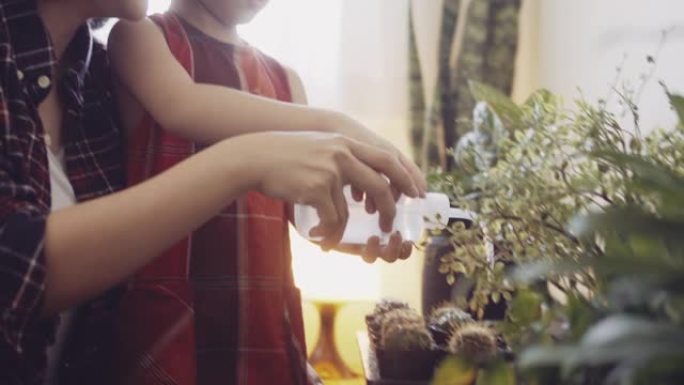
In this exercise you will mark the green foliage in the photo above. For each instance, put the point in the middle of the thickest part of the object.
(551, 164)
(510, 114)
(642, 274)
(456, 370)
(592, 215)
(499, 373)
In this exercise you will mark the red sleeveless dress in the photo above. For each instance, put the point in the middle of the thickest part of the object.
(219, 307)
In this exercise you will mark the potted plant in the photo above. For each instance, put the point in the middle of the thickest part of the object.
(578, 228)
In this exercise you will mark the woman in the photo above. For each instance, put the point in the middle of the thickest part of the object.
(67, 234)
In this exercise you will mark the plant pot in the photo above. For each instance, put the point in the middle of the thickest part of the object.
(374, 330)
(439, 335)
(436, 290)
(411, 365)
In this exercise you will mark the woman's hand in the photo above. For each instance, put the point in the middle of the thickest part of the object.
(312, 168)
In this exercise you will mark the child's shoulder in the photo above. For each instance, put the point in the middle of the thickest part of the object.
(270, 60)
(128, 32)
(295, 84)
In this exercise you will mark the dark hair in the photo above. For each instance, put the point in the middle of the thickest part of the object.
(97, 23)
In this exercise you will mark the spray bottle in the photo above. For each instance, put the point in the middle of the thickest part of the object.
(414, 216)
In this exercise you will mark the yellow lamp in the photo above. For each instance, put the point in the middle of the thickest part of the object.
(330, 281)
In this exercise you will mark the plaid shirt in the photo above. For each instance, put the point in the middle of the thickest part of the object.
(92, 145)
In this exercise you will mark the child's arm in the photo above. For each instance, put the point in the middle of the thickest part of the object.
(396, 248)
(207, 113)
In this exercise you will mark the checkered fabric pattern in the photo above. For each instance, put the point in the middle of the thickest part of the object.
(92, 145)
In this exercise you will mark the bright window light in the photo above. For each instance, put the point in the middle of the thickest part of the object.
(157, 6)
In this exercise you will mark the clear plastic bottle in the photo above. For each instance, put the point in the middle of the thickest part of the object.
(413, 217)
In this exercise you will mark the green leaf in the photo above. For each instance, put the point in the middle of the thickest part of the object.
(454, 370)
(623, 337)
(510, 114)
(526, 307)
(677, 102)
(580, 315)
(612, 340)
(534, 271)
(664, 371)
(625, 221)
(649, 177)
(458, 267)
(541, 97)
(443, 268)
(619, 330)
(499, 373)
(649, 271)
(546, 356)
(541, 376)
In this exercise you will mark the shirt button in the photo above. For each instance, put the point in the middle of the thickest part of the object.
(44, 82)
(20, 75)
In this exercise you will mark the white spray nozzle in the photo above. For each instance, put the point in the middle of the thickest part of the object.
(460, 214)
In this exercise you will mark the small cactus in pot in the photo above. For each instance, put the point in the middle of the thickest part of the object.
(445, 320)
(474, 342)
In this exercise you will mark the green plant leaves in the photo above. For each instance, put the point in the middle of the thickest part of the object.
(592, 216)
(612, 340)
(509, 112)
(625, 221)
(499, 373)
(580, 315)
(525, 307)
(677, 102)
(650, 177)
(546, 356)
(454, 370)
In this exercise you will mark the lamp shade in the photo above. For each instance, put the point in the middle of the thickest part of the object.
(332, 276)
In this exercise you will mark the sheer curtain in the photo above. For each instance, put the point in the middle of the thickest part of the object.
(351, 56)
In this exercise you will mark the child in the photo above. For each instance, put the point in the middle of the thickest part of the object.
(221, 306)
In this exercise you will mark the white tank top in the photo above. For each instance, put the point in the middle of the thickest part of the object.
(62, 192)
(63, 196)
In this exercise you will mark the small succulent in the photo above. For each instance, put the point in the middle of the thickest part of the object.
(400, 315)
(474, 342)
(406, 338)
(386, 305)
(449, 317)
(375, 320)
(401, 318)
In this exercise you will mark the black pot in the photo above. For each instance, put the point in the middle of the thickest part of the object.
(374, 330)
(436, 290)
(439, 335)
(411, 365)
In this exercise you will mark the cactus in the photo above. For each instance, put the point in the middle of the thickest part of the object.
(387, 305)
(400, 316)
(474, 342)
(449, 318)
(375, 320)
(410, 337)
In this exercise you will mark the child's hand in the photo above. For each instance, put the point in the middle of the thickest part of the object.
(349, 127)
(312, 168)
(396, 249)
